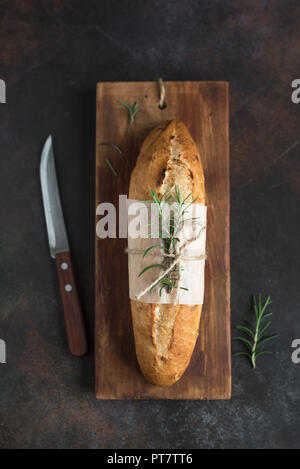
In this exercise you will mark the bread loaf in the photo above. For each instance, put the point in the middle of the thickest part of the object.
(165, 335)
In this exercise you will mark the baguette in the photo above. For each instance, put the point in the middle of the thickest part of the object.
(165, 335)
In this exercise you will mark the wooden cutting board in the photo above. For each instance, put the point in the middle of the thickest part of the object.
(203, 107)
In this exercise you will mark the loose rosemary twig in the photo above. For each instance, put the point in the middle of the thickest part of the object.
(133, 110)
(168, 232)
(107, 161)
(256, 336)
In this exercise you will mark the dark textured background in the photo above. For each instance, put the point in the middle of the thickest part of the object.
(52, 54)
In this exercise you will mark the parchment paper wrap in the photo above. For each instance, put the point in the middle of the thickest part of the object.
(191, 271)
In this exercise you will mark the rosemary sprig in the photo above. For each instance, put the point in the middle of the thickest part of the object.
(168, 233)
(133, 110)
(256, 336)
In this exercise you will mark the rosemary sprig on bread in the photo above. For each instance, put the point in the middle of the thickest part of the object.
(168, 231)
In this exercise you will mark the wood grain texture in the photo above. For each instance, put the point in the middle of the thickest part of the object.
(203, 107)
(72, 308)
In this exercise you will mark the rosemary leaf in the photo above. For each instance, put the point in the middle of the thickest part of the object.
(266, 315)
(245, 341)
(150, 248)
(266, 339)
(264, 328)
(116, 147)
(111, 167)
(246, 330)
(149, 267)
(263, 353)
(187, 197)
(243, 353)
(166, 281)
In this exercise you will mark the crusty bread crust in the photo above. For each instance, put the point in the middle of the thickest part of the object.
(165, 335)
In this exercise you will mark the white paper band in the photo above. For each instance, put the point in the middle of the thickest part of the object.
(190, 286)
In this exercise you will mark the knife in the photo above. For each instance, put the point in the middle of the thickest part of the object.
(59, 250)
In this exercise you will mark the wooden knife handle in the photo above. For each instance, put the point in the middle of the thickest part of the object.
(72, 309)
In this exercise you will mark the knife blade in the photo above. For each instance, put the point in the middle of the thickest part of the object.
(57, 234)
(59, 249)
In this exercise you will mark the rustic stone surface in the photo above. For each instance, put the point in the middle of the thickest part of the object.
(51, 57)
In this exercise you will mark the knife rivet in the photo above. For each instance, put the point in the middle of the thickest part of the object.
(68, 287)
(64, 265)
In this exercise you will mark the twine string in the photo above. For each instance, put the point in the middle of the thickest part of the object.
(165, 254)
(162, 94)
